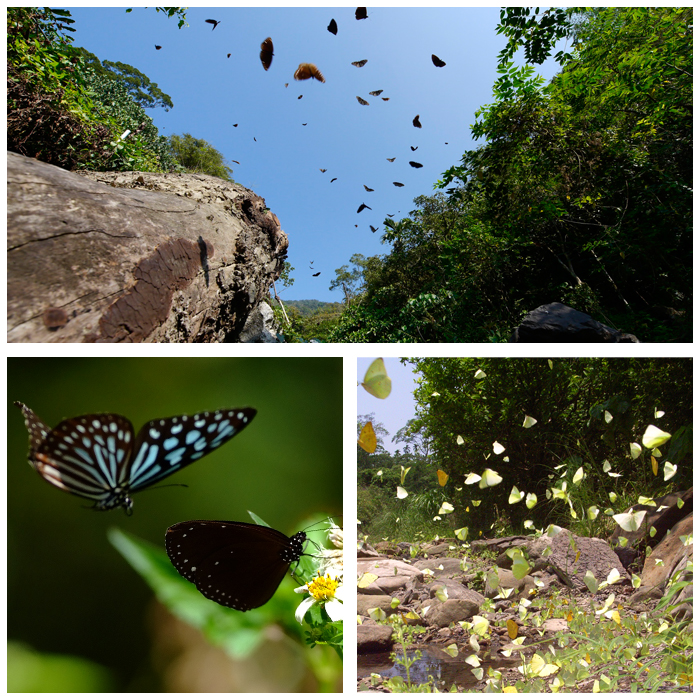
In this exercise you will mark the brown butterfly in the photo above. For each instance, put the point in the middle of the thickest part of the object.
(254, 139)
(398, 184)
(414, 148)
(286, 85)
(304, 123)
(363, 206)
(376, 93)
(300, 96)
(235, 124)
(361, 13)
(374, 230)
(158, 48)
(332, 27)
(266, 53)
(323, 170)
(361, 101)
(308, 70)
(316, 274)
(391, 160)
(437, 62)
(386, 99)
(228, 55)
(416, 122)
(359, 64)
(368, 188)
(214, 22)
(334, 179)
(235, 161)
(413, 164)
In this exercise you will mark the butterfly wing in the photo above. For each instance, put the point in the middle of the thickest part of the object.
(416, 122)
(413, 164)
(361, 13)
(361, 101)
(359, 64)
(238, 565)
(437, 62)
(167, 445)
(333, 27)
(376, 93)
(308, 70)
(266, 53)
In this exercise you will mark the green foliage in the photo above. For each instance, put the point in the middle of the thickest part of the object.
(199, 156)
(311, 320)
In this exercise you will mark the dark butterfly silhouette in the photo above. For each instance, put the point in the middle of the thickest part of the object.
(355, 225)
(391, 160)
(376, 93)
(323, 170)
(363, 206)
(228, 55)
(332, 27)
(158, 48)
(368, 188)
(266, 53)
(374, 230)
(361, 13)
(446, 143)
(254, 139)
(300, 96)
(437, 62)
(235, 124)
(316, 274)
(414, 148)
(214, 22)
(286, 85)
(413, 164)
(213, 555)
(304, 123)
(386, 99)
(311, 262)
(398, 184)
(99, 457)
(235, 161)
(308, 70)
(361, 101)
(416, 122)
(359, 64)
(334, 179)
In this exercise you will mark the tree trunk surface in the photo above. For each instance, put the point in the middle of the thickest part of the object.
(134, 257)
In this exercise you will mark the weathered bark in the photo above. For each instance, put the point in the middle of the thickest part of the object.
(134, 257)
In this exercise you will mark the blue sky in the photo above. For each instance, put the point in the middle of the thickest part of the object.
(352, 142)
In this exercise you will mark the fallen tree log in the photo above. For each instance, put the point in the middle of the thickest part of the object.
(134, 257)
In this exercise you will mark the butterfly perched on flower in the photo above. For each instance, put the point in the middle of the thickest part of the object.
(98, 457)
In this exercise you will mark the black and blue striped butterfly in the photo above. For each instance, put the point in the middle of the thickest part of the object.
(97, 457)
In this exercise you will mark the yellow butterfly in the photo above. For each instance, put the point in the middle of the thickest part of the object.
(368, 439)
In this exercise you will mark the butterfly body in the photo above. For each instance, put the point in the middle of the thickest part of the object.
(97, 457)
(238, 565)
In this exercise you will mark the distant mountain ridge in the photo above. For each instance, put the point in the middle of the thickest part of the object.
(308, 307)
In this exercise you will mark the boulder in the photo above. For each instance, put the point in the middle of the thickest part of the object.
(392, 575)
(373, 638)
(366, 602)
(507, 580)
(134, 257)
(558, 323)
(261, 326)
(451, 611)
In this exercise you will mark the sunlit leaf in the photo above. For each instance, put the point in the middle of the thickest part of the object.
(669, 470)
(446, 508)
(654, 437)
(401, 492)
(489, 478)
(515, 495)
(451, 650)
(368, 439)
(498, 448)
(479, 374)
(472, 478)
(529, 422)
(608, 416)
(376, 380)
(366, 580)
(578, 475)
(635, 450)
(630, 521)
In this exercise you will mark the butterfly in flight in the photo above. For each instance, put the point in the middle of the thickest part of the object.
(300, 96)
(308, 70)
(266, 53)
(316, 274)
(374, 230)
(334, 179)
(414, 148)
(416, 122)
(413, 164)
(235, 161)
(235, 124)
(216, 555)
(376, 93)
(332, 27)
(97, 456)
(386, 99)
(361, 101)
(437, 62)
(391, 160)
(254, 139)
(398, 184)
(369, 189)
(158, 48)
(361, 13)
(304, 123)
(228, 55)
(323, 170)
(214, 22)
(363, 206)
(359, 64)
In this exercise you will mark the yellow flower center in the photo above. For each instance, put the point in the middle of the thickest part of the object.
(323, 587)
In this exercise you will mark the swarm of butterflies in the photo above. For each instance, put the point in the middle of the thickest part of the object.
(307, 71)
(100, 458)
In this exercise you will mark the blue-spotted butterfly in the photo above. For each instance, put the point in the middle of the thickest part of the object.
(97, 457)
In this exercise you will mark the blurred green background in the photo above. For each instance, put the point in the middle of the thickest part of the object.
(69, 591)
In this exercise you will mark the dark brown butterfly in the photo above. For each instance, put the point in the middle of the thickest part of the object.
(266, 53)
(235, 161)
(286, 85)
(323, 170)
(235, 124)
(158, 48)
(228, 55)
(413, 164)
(376, 93)
(398, 184)
(374, 230)
(414, 148)
(361, 101)
(416, 122)
(363, 206)
(391, 160)
(386, 99)
(300, 96)
(361, 13)
(359, 64)
(316, 274)
(445, 143)
(437, 62)
(254, 139)
(355, 225)
(332, 27)
(304, 123)
(214, 22)
(390, 215)
(308, 70)
(334, 179)
(369, 189)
